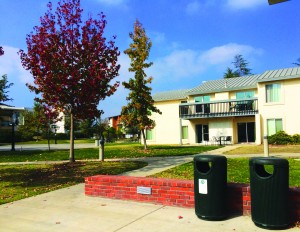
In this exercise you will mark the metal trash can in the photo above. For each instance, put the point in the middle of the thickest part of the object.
(269, 192)
(210, 184)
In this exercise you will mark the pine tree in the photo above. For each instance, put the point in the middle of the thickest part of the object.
(241, 68)
(4, 84)
(230, 73)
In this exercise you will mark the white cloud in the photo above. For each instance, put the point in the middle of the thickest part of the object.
(225, 53)
(157, 37)
(10, 64)
(182, 64)
(193, 7)
(243, 4)
(178, 64)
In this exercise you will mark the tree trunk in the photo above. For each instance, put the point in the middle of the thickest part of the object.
(48, 137)
(144, 138)
(72, 158)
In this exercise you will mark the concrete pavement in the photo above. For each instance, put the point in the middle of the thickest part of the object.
(69, 209)
(21, 147)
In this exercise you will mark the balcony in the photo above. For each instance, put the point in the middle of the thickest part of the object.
(226, 108)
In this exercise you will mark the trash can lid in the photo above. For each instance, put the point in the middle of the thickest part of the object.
(209, 158)
(269, 161)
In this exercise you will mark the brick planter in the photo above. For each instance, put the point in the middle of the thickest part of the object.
(174, 192)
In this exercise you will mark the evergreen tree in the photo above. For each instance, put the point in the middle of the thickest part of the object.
(230, 73)
(4, 85)
(240, 66)
(297, 63)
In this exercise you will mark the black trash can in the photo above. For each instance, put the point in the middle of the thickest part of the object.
(210, 184)
(269, 192)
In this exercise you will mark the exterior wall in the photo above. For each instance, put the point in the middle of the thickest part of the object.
(61, 124)
(221, 96)
(220, 127)
(115, 121)
(217, 127)
(167, 129)
(286, 109)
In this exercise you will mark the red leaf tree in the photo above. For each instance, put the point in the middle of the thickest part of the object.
(72, 62)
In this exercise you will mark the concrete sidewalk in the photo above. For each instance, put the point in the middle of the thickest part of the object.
(44, 147)
(69, 209)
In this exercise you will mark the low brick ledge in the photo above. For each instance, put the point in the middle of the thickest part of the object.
(173, 192)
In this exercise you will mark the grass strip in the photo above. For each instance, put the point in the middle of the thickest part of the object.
(111, 151)
(237, 171)
(21, 181)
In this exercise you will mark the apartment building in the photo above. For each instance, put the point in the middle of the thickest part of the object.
(234, 110)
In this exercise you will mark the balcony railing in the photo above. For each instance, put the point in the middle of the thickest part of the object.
(218, 109)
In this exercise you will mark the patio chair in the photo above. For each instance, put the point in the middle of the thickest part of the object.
(227, 140)
(215, 140)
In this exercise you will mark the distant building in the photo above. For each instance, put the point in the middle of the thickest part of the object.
(9, 115)
(60, 125)
(115, 122)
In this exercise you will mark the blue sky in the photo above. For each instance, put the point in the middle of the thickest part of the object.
(193, 40)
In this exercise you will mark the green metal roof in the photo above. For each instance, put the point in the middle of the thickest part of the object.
(171, 95)
(230, 84)
(279, 74)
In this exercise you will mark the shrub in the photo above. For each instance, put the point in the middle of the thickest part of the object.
(61, 136)
(296, 139)
(280, 138)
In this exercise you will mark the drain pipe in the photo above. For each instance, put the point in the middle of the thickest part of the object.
(266, 146)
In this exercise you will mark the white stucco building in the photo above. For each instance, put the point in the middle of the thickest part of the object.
(241, 110)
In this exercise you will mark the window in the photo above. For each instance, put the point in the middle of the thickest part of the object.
(203, 108)
(149, 134)
(205, 98)
(184, 131)
(184, 110)
(274, 125)
(273, 93)
(244, 95)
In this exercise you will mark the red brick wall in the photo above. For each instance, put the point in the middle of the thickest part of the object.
(175, 192)
(163, 191)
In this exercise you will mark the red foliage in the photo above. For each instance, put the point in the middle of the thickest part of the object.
(71, 61)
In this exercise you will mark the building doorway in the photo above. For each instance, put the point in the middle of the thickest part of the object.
(246, 132)
(202, 133)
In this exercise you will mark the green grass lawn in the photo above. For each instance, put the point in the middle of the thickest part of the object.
(237, 171)
(21, 181)
(259, 149)
(111, 151)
